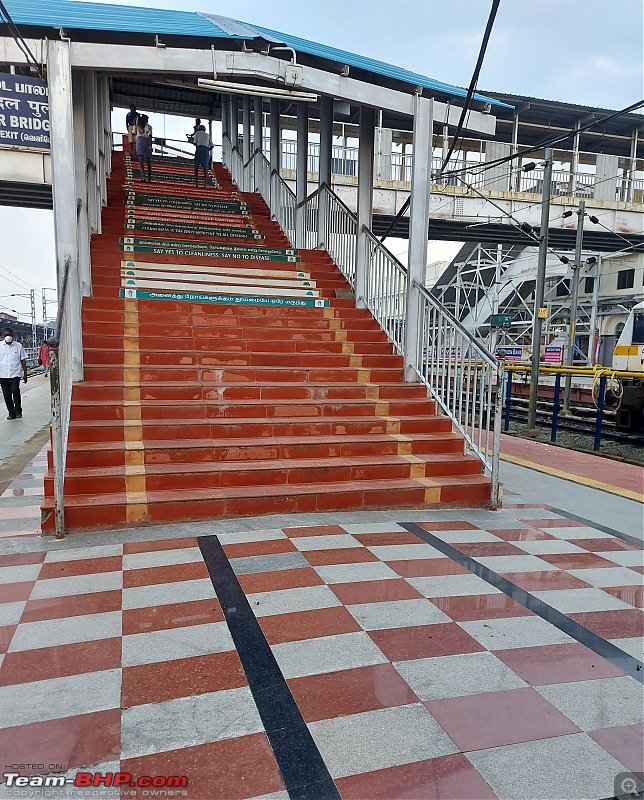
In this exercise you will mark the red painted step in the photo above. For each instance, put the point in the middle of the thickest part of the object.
(228, 409)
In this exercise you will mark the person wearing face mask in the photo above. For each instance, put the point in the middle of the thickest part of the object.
(13, 366)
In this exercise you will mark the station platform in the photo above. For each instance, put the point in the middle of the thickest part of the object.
(458, 653)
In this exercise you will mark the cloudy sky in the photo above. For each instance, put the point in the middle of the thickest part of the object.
(581, 51)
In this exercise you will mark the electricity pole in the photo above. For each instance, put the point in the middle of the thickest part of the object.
(574, 299)
(540, 289)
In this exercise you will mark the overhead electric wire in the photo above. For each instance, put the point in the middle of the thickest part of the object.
(464, 111)
(20, 40)
(15, 279)
(552, 141)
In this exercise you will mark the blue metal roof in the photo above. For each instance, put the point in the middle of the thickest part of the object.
(132, 19)
(370, 65)
(103, 17)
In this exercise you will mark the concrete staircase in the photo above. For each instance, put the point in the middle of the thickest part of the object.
(227, 374)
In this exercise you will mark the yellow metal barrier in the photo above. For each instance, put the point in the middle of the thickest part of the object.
(513, 366)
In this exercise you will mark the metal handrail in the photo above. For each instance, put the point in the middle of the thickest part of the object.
(463, 377)
(60, 385)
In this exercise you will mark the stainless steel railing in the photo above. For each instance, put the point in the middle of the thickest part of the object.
(465, 379)
(386, 290)
(61, 377)
(462, 376)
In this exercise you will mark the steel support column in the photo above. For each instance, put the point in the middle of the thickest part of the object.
(301, 170)
(421, 163)
(81, 172)
(225, 116)
(366, 151)
(258, 126)
(234, 120)
(64, 187)
(324, 168)
(91, 149)
(275, 135)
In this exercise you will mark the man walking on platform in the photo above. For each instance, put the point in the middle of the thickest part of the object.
(13, 366)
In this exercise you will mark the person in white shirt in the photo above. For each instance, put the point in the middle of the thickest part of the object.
(203, 146)
(13, 367)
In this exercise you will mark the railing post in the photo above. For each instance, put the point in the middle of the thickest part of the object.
(365, 199)
(600, 413)
(418, 228)
(508, 399)
(555, 407)
(495, 489)
(57, 440)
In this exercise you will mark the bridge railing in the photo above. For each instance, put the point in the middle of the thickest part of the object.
(61, 377)
(462, 376)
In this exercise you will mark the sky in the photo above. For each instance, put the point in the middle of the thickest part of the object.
(587, 52)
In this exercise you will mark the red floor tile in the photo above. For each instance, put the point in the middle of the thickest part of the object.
(262, 548)
(315, 530)
(351, 691)
(576, 560)
(425, 641)
(177, 615)
(633, 595)
(181, 677)
(547, 579)
(374, 591)
(84, 566)
(56, 662)
(494, 719)
(477, 549)
(557, 663)
(559, 522)
(523, 535)
(446, 778)
(343, 555)
(307, 625)
(449, 526)
(382, 539)
(427, 567)
(149, 576)
(72, 606)
(18, 559)
(480, 606)
(14, 592)
(6, 635)
(280, 579)
(232, 769)
(612, 624)
(161, 544)
(72, 741)
(625, 743)
(605, 545)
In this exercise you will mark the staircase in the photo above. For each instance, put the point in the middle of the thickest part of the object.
(228, 374)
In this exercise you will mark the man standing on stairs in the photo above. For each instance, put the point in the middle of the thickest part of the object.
(130, 125)
(13, 365)
(144, 146)
(203, 146)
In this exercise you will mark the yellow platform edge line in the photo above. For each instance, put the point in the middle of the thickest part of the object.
(569, 476)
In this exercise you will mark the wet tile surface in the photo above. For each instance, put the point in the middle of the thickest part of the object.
(411, 676)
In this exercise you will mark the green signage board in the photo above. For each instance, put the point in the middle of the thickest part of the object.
(171, 246)
(211, 254)
(231, 299)
(501, 320)
(188, 204)
(198, 230)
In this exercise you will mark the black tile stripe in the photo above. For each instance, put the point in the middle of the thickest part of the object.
(598, 526)
(304, 772)
(593, 641)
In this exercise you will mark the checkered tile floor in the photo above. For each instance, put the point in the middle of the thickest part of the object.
(415, 677)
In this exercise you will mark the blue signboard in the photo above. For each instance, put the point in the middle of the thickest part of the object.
(24, 112)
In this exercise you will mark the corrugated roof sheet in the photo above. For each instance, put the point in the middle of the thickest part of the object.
(103, 17)
(369, 64)
(132, 19)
